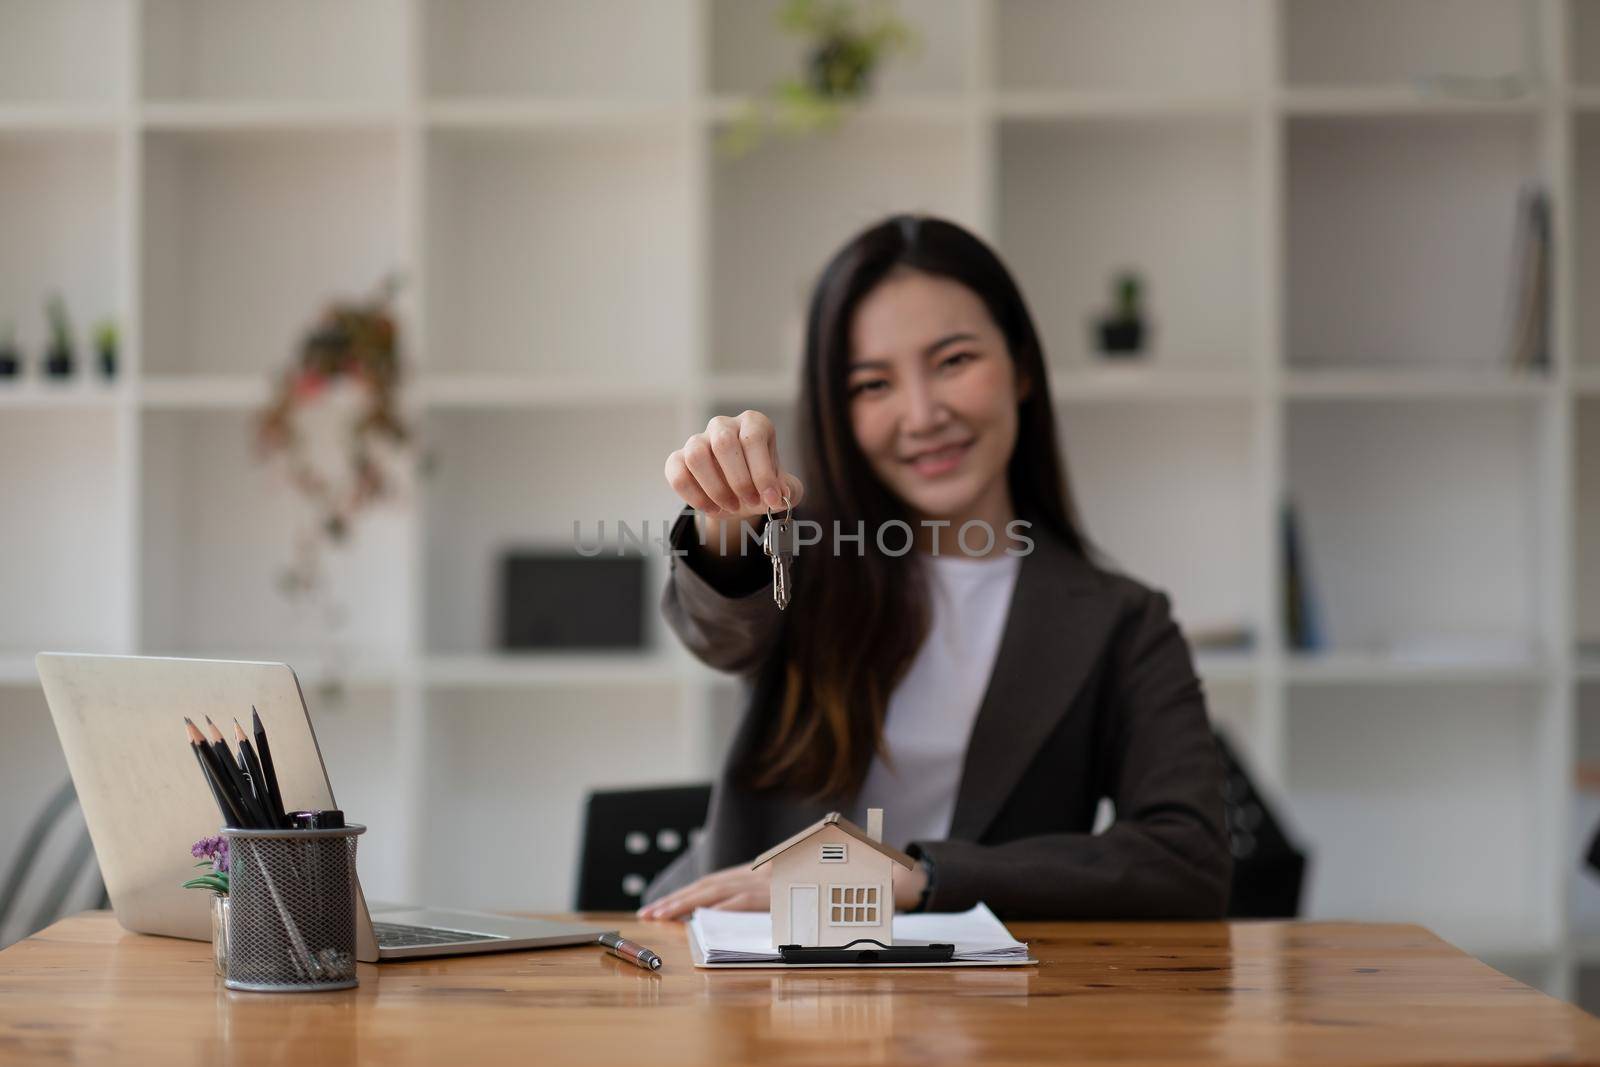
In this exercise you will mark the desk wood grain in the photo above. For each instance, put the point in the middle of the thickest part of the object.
(1175, 993)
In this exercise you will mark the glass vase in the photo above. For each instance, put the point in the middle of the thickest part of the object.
(219, 932)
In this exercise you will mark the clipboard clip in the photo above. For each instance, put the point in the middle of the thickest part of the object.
(878, 953)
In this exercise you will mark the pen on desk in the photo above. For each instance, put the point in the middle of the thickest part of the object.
(631, 951)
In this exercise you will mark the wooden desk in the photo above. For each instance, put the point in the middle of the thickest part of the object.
(86, 991)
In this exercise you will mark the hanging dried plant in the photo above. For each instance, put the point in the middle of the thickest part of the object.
(340, 395)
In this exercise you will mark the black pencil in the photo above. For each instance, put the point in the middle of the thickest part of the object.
(232, 815)
(257, 813)
(251, 765)
(216, 794)
(268, 772)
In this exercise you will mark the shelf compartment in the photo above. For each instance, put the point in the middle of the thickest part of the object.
(219, 530)
(248, 235)
(1583, 43)
(64, 571)
(511, 751)
(559, 469)
(1392, 571)
(1415, 805)
(780, 212)
(63, 51)
(1586, 528)
(1586, 242)
(574, 49)
(1583, 889)
(1080, 202)
(1107, 46)
(1424, 206)
(1410, 42)
(562, 253)
(288, 50)
(1159, 488)
(750, 52)
(59, 213)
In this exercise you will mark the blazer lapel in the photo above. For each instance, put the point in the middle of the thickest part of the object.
(1051, 642)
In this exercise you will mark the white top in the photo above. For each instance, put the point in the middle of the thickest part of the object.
(932, 710)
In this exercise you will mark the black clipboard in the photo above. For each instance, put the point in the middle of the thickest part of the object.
(877, 953)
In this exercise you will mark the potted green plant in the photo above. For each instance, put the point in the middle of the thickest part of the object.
(846, 42)
(59, 357)
(10, 356)
(105, 345)
(1121, 333)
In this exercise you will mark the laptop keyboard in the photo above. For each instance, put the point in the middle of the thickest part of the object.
(401, 935)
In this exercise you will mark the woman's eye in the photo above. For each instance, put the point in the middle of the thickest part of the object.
(956, 359)
(871, 385)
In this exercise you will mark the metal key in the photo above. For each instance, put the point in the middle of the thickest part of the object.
(778, 542)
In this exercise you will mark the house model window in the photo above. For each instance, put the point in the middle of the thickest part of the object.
(853, 905)
(832, 853)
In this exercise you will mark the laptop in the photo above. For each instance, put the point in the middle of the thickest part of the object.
(120, 719)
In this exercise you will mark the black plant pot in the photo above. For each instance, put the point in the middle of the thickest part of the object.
(1121, 337)
(59, 363)
(108, 363)
(837, 69)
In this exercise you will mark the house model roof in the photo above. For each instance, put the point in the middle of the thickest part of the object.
(833, 818)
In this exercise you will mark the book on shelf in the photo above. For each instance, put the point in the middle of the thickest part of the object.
(1528, 346)
(1301, 616)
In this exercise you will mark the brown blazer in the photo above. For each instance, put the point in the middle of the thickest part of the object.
(1093, 695)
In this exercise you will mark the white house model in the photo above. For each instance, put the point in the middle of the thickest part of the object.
(833, 882)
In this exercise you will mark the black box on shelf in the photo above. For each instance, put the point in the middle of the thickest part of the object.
(559, 600)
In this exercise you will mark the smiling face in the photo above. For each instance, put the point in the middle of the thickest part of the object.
(933, 398)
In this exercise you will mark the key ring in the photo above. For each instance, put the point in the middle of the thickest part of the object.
(788, 509)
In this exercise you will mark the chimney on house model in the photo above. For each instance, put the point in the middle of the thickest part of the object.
(875, 824)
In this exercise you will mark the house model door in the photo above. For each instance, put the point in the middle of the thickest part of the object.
(803, 911)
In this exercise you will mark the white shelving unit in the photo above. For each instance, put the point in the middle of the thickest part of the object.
(1328, 250)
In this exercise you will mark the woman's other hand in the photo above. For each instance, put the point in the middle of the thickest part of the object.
(732, 468)
(731, 889)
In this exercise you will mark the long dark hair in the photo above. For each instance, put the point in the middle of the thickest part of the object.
(858, 620)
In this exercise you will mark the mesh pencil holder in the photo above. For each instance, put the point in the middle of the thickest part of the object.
(292, 909)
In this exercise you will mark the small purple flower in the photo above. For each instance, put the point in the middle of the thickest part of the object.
(214, 849)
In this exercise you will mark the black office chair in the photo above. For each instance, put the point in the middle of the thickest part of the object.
(80, 856)
(630, 836)
(1268, 870)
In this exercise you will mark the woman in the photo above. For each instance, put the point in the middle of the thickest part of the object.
(988, 688)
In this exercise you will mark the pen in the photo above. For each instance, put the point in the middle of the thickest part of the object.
(631, 951)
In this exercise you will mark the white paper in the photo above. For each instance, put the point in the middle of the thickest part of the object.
(746, 936)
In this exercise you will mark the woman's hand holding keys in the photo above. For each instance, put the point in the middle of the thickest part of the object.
(731, 470)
